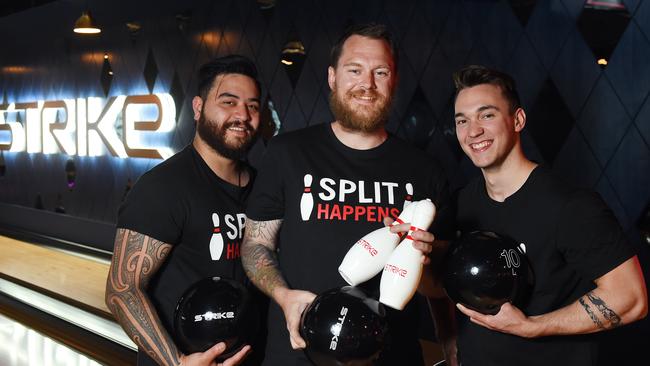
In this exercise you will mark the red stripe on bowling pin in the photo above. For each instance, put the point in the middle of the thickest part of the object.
(398, 221)
(396, 290)
(307, 200)
(412, 229)
(360, 264)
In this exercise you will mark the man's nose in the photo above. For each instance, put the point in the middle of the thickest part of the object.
(242, 112)
(368, 80)
(475, 129)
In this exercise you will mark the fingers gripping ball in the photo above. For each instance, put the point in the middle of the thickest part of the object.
(215, 310)
(344, 327)
(483, 270)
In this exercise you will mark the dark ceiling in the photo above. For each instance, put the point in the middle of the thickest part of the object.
(10, 7)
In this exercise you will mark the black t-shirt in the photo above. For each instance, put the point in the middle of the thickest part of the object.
(348, 194)
(183, 203)
(571, 238)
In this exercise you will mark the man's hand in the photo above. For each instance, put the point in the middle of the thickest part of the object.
(207, 358)
(619, 298)
(423, 240)
(293, 303)
(509, 320)
(450, 351)
(430, 285)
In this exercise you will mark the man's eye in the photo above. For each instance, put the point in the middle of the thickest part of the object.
(460, 121)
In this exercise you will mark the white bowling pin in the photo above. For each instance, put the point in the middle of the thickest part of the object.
(307, 200)
(368, 255)
(403, 269)
(409, 195)
(216, 242)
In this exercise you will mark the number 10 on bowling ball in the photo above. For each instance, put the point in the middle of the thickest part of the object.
(483, 270)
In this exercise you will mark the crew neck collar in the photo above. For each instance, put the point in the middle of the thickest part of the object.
(367, 153)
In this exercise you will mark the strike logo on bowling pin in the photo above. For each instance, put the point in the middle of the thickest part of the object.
(409, 195)
(403, 269)
(307, 200)
(368, 255)
(216, 242)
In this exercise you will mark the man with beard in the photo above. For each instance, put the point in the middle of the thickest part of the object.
(322, 188)
(166, 226)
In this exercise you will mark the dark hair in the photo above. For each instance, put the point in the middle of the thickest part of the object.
(232, 64)
(474, 75)
(370, 30)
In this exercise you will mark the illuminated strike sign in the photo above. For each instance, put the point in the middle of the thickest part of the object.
(123, 126)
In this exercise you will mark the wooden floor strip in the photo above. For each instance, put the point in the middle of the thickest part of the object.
(80, 280)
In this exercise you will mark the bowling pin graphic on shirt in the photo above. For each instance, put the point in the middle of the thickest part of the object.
(403, 269)
(307, 199)
(409, 195)
(368, 255)
(216, 242)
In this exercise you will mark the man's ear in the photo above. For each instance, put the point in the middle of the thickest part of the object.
(331, 77)
(197, 106)
(520, 119)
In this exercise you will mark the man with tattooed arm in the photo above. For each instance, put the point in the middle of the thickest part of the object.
(323, 187)
(183, 220)
(587, 277)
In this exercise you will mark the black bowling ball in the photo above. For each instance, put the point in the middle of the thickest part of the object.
(344, 327)
(483, 270)
(215, 310)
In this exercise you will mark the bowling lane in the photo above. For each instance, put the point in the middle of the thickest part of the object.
(70, 288)
(71, 314)
(23, 346)
(60, 293)
(72, 278)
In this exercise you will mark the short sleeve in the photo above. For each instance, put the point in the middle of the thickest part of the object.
(443, 227)
(266, 201)
(151, 208)
(590, 237)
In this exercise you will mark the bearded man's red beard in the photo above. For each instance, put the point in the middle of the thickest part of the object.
(364, 118)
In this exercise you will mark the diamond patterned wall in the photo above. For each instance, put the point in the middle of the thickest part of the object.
(590, 123)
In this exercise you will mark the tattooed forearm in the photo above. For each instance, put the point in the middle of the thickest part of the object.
(609, 314)
(136, 258)
(610, 318)
(261, 267)
(258, 255)
(591, 314)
